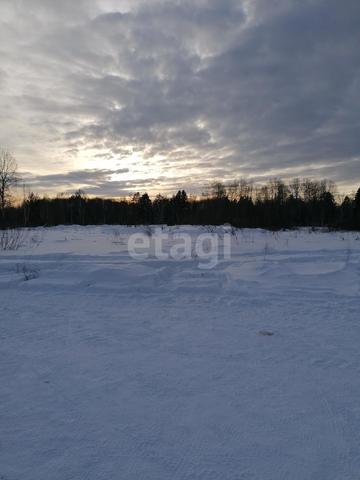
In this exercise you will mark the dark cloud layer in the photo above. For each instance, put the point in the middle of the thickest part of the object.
(177, 92)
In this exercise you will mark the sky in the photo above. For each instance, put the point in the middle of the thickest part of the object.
(115, 97)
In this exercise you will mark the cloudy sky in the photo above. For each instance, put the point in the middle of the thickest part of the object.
(134, 95)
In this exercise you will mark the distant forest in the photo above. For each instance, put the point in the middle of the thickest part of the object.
(275, 205)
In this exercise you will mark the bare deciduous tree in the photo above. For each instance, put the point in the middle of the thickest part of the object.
(8, 177)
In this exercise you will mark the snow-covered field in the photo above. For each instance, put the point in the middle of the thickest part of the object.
(155, 369)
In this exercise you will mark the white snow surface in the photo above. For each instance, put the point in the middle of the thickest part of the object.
(115, 368)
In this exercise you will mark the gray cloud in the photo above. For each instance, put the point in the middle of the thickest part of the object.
(95, 182)
(156, 88)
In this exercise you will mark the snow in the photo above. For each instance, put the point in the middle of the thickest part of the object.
(116, 368)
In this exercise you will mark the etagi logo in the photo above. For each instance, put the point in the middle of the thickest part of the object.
(206, 248)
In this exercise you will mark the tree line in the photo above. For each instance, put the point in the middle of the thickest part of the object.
(274, 205)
